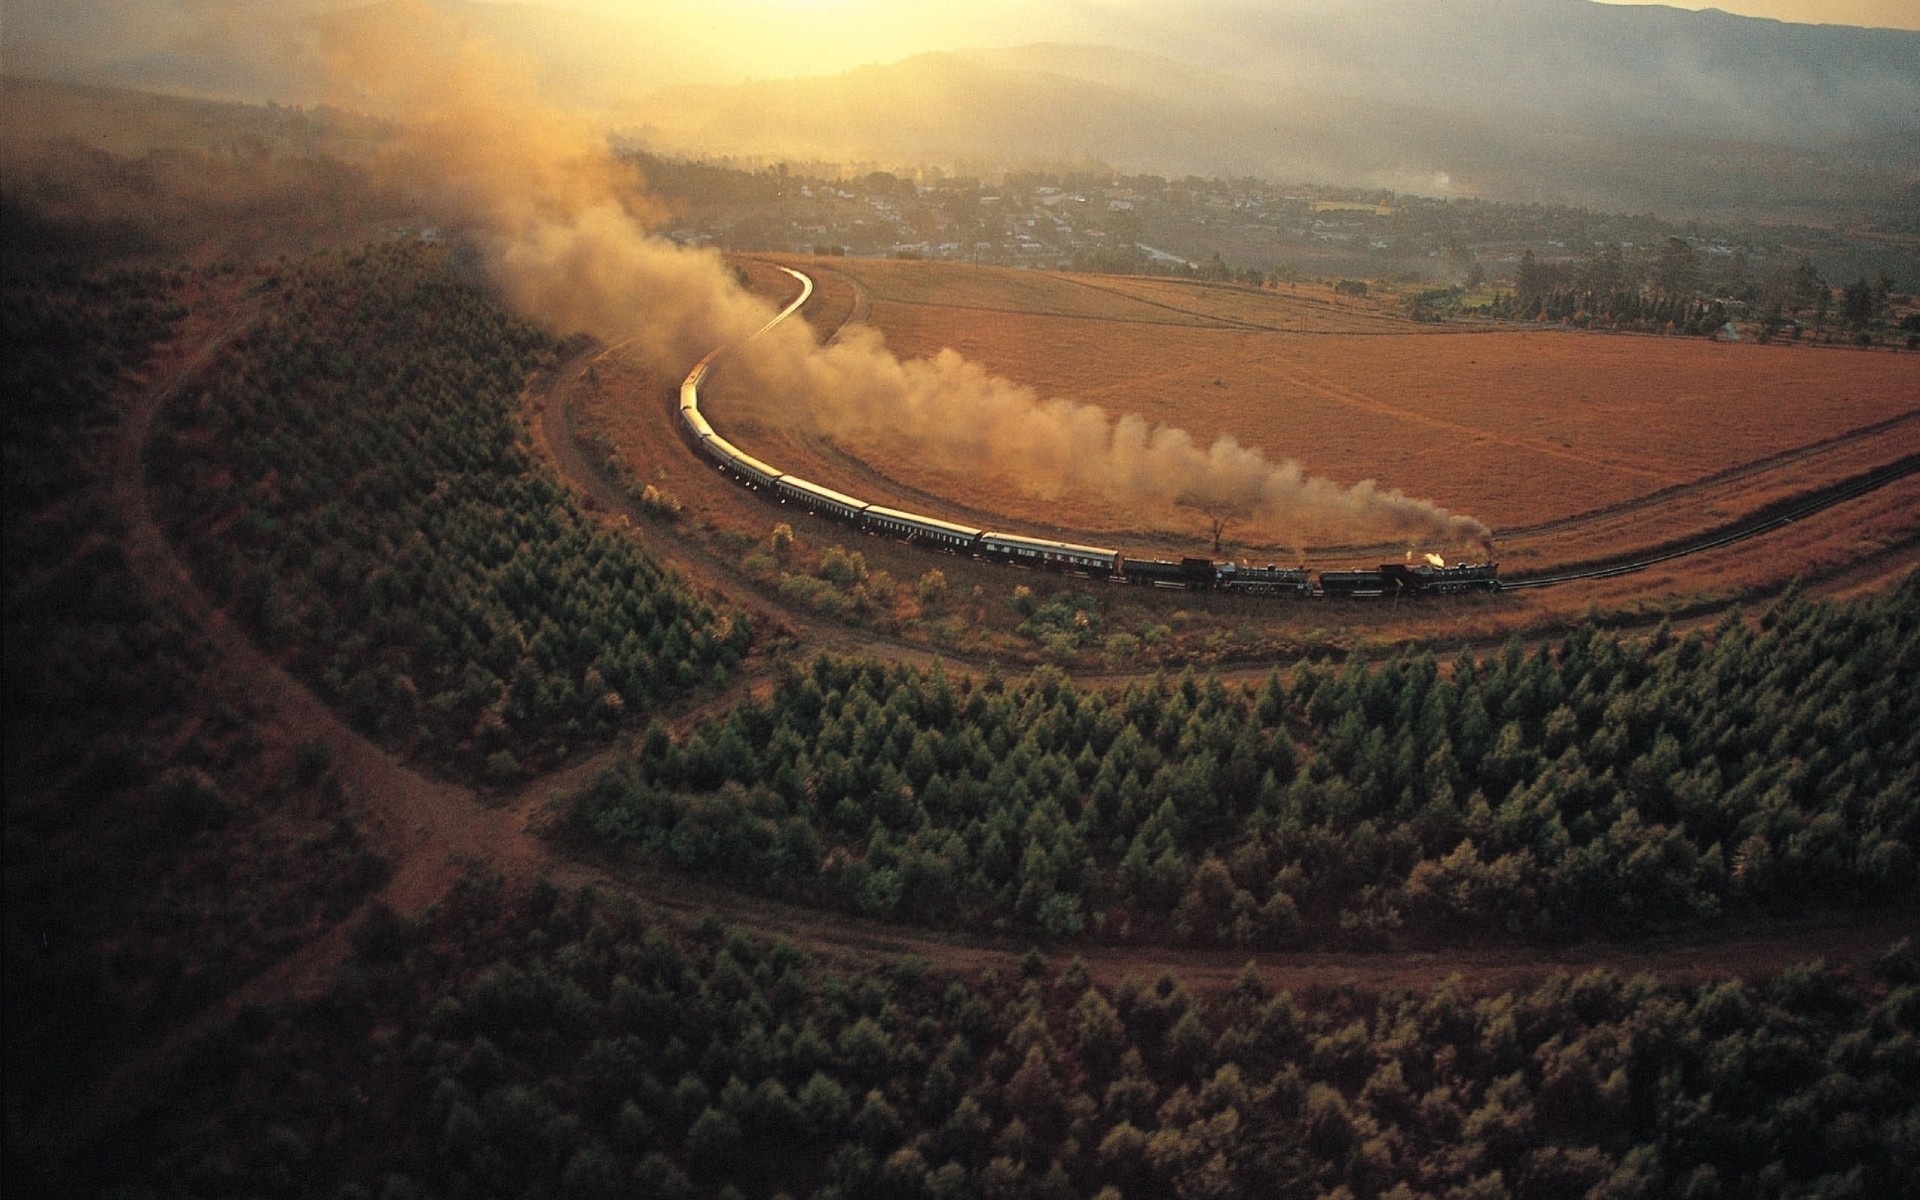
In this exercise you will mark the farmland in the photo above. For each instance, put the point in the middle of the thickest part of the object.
(1573, 447)
(1514, 426)
(428, 776)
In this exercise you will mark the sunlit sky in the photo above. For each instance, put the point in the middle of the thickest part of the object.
(730, 40)
(935, 15)
(1884, 14)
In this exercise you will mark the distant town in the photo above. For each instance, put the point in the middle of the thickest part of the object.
(1242, 229)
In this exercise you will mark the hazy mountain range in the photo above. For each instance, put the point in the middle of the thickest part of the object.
(1605, 106)
(1560, 100)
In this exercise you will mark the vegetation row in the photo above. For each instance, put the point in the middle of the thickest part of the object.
(355, 480)
(1598, 786)
(564, 1045)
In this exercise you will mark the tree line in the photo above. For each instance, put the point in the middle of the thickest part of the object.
(1606, 290)
(354, 478)
(543, 1043)
(1601, 785)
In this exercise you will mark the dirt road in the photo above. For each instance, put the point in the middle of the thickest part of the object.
(432, 829)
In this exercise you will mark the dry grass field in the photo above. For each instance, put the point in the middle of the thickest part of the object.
(1519, 427)
(1573, 446)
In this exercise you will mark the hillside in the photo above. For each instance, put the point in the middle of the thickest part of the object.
(1641, 107)
(1601, 121)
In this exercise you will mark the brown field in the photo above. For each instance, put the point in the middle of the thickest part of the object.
(1574, 447)
(1522, 428)
(1300, 308)
(1028, 293)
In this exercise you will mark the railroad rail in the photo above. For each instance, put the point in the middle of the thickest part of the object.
(1019, 550)
(1806, 506)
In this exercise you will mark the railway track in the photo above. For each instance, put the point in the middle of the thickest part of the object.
(1770, 519)
(1747, 470)
(1798, 509)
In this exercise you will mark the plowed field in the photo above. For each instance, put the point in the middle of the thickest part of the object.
(1571, 444)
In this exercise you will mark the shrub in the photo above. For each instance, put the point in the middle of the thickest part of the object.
(658, 502)
(842, 566)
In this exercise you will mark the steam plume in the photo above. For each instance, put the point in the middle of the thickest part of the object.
(950, 409)
(564, 226)
(562, 223)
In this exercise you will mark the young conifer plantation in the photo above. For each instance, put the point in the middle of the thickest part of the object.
(353, 480)
(1603, 786)
(566, 1044)
(209, 993)
(162, 846)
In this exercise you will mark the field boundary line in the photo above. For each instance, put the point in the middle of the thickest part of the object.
(1744, 470)
(1765, 520)
(1339, 393)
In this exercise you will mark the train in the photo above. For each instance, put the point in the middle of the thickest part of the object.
(1098, 562)
(1430, 577)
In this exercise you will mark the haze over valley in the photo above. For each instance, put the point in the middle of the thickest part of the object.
(1564, 101)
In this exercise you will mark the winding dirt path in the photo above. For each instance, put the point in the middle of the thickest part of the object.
(428, 827)
(433, 829)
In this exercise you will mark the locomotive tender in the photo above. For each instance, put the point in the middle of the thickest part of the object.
(1389, 579)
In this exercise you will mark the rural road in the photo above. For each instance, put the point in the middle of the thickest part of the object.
(432, 829)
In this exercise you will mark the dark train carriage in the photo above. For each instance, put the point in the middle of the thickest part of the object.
(1427, 580)
(1266, 581)
(1161, 572)
(1341, 584)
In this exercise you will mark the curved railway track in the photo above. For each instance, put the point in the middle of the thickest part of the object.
(1800, 508)
(1768, 520)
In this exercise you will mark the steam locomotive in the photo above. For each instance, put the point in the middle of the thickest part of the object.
(1097, 562)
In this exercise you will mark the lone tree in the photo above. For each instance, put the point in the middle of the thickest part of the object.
(1217, 522)
(1220, 511)
(1862, 302)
